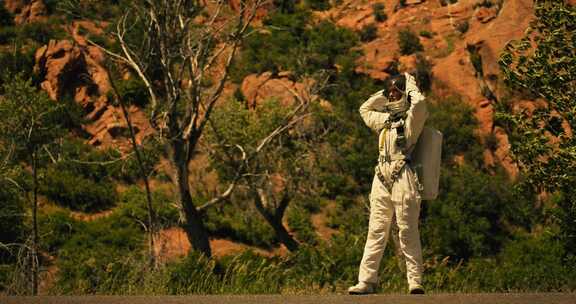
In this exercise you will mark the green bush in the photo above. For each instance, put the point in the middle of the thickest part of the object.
(378, 11)
(133, 205)
(423, 73)
(56, 228)
(13, 63)
(463, 26)
(368, 33)
(133, 91)
(409, 42)
(293, 44)
(240, 222)
(76, 192)
(95, 256)
(426, 34)
(466, 219)
(6, 18)
(8, 33)
(320, 5)
(13, 216)
(457, 123)
(301, 225)
(42, 32)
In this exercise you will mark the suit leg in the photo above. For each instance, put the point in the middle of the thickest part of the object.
(381, 212)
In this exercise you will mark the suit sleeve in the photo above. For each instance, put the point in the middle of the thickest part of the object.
(417, 114)
(374, 119)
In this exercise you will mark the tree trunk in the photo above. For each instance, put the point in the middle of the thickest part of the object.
(283, 235)
(275, 220)
(193, 224)
(150, 208)
(34, 257)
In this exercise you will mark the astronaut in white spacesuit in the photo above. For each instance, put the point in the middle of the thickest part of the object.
(398, 115)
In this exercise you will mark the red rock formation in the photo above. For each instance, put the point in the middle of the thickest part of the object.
(258, 88)
(73, 69)
(26, 11)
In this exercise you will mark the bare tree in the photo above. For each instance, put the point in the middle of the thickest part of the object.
(182, 50)
(151, 225)
(272, 168)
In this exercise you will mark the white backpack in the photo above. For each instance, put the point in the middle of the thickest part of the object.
(426, 160)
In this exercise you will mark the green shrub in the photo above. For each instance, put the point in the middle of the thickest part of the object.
(13, 63)
(301, 225)
(95, 256)
(13, 216)
(368, 33)
(133, 91)
(409, 42)
(293, 44)
(76, 192)
(240, 222)
(426, 34)
(457, 122)
(483, 208)
(133, 205)
(7, 34)
(6, 18)
(463, 26)
(42, 32)
(56, 228)
(320, 5)
(423, 73)
(378, 11)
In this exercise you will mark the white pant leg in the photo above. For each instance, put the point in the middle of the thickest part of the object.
(381, 212)
(407, 215)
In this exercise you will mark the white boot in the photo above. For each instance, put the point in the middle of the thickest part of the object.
(362, 288)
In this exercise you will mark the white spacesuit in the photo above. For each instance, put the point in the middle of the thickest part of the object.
(395, 188)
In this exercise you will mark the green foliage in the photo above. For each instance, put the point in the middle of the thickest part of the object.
(56, 228)
(133, 91)
(457, 123)
(42, 32)
(94, 255)
(483, 203)
(13, 63)
(12, 215)
(291, 43)
(28, 118)
(423, 73)
(8, 34)
(133, 205)
(319, 5)
(285, 6)
(544, 63)
(93, 10)
(6, 18)
(76, 192)
(475, 59)
(378, 11)
(408, 42)
(240, 222)
(301, 225)
(426, 34)
(368, 33)
(463, 26)
(349, 216)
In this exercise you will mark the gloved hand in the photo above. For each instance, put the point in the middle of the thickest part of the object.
(412, 89)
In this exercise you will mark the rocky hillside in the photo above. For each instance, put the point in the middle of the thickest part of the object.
(461, 41)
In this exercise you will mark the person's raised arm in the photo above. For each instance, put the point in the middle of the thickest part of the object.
(370, 111)
(417, 113)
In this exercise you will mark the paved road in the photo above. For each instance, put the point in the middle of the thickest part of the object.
(523, 298)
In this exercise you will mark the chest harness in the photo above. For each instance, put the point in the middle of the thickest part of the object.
(400, 160)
